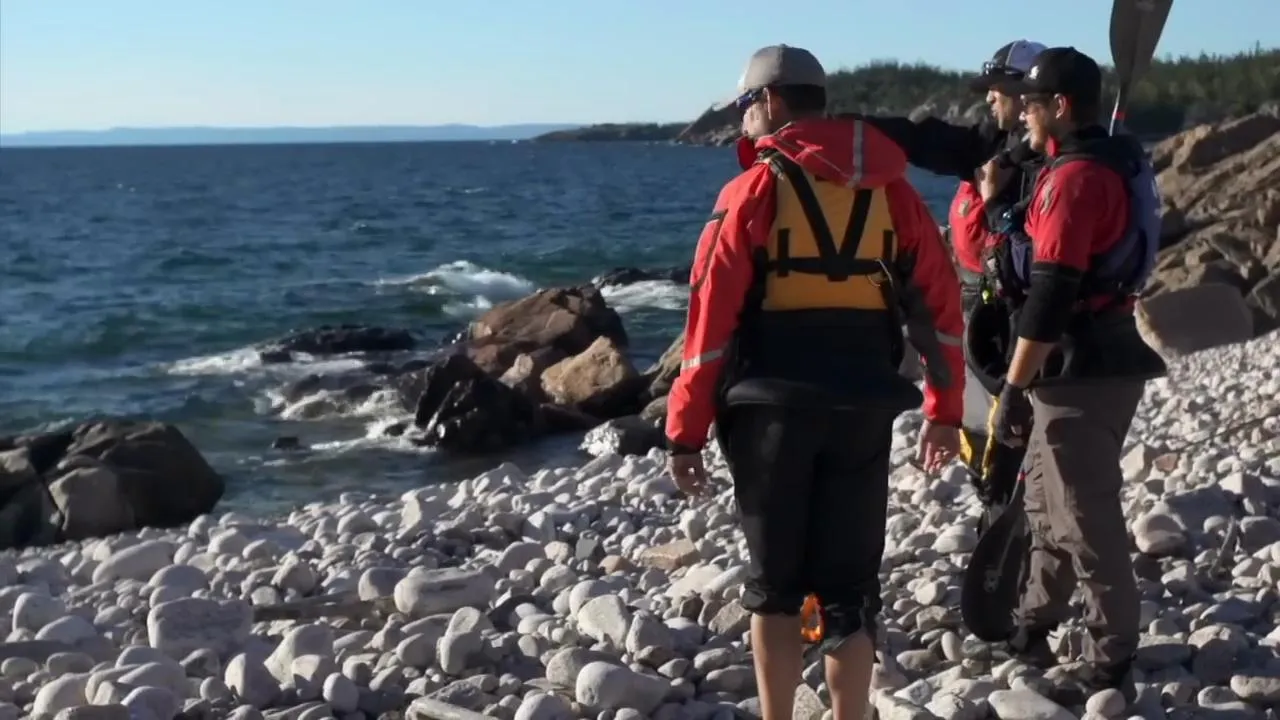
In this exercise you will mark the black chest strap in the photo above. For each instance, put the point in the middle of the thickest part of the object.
(836, 263)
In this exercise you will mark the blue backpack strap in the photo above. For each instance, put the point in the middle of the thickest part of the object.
(1145, 218)
(1007, 265)
(1124, 267)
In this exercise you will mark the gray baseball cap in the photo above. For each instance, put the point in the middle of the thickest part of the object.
(779, 65)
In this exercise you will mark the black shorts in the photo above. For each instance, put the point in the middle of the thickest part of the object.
(812, 488)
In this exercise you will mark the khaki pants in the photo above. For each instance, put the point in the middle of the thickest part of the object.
(1079, 532)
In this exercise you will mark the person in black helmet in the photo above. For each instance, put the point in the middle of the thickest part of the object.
(997, 169)
(1005, 178)
(991, 153)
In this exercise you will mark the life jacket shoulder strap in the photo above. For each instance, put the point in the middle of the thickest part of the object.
(838, 263)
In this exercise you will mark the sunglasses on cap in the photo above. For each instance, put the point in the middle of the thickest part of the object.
(995, 69)
(747, 99)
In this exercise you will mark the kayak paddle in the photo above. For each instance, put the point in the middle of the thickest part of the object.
(1136, 26)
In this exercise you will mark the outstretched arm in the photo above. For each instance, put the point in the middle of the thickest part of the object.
(940, 147)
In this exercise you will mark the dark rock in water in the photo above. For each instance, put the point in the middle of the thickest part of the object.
(416, 364)
(339, 340)
(409, 382)
(288, 442)
(462, 409)
(100, 478)
(630, 435)
(303, 387)
(554, 361)
(395, 429)
(360, 392)
(630, 275)
(275, 356)
(355, 386)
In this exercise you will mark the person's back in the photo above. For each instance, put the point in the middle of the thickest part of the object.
(813, 259)
(844, 214)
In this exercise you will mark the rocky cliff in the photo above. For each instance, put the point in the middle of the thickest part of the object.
(1221, 186)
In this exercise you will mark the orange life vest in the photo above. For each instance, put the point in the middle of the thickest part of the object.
(807, 268)
(822, 324)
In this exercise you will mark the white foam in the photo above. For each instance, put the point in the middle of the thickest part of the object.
(650, 294)
(375, 437)
(383, 404)
(227, 363)
(369, 441)
(470, 288)
(246, 361)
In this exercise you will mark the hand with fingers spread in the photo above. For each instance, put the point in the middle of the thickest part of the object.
(938, 445)
(689, 472)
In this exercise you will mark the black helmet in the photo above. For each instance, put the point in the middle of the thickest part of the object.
(988, 344)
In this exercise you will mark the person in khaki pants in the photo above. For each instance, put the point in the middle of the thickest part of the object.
(1071, 262)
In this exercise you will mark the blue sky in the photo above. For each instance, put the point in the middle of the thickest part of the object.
(89, 64)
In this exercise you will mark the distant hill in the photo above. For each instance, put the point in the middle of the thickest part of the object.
(277, 135)
(639, 132)
(1175, 93)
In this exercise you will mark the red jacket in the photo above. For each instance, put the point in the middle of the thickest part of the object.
(1078, 210)
(741, 222)
(970, 235)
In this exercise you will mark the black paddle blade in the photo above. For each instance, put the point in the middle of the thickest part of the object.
(993, 580)
(1136, 26)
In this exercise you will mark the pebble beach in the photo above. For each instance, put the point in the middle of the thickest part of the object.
(600, 592)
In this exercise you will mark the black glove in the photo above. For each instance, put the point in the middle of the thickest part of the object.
(1012, 421)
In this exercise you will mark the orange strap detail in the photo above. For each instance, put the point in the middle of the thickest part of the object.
(812, 626)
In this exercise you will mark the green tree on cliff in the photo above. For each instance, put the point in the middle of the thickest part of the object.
(1173, 94)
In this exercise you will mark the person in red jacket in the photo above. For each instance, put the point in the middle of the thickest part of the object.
(813, 260)
(1071, 263)
(1008, 182)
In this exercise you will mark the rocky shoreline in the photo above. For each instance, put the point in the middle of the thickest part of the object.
(599, 591)
(559, 360)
